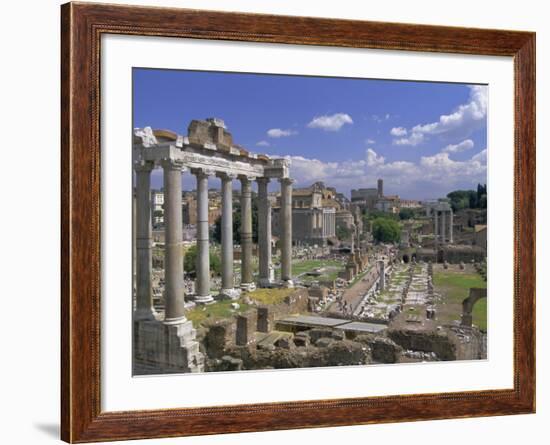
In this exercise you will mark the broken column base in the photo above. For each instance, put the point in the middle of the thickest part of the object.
(287, 283)
(248, 287)
(166, 348)
(229, 294)
(265, 283)
(203, 299)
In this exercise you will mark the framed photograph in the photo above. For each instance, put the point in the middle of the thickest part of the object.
(274, 222)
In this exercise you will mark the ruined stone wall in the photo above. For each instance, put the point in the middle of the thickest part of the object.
(457, 254)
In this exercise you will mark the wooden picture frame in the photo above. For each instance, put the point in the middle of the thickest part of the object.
(82, 26)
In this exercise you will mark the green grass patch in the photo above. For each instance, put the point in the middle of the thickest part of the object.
(302, 266)
(458, 284)
(479, 314)
(215, 311)
(454, 288)
(270, 296)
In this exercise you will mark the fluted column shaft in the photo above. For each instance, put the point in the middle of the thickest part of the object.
(286, 230)
(264, 231)
(173, 253)
(227, 232)
(246, 233)
(203, 244)
(143, 242)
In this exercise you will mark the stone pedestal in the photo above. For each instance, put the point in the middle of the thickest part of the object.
(382, 275)
(246, 326)
(167, 348)
(265, 319)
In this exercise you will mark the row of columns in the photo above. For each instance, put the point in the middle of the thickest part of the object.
(173, 262)
(329, 225)
(443, 225)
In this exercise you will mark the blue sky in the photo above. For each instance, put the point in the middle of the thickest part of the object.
(423, 138)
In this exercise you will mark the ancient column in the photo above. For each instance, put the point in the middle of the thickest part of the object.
(246, 233)
(264, 232)
(173, 249)
(436, 226)
(381, 275)
(228, 284)
(286, 231)
(202, 289)
(143, 242)
(443, 236)
(451, 226)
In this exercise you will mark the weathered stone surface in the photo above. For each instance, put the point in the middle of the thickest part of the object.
(167, 348)
(425, 340)
(246, 326)
(225, 363)
(301, 339)
(383, 349)
(219, 336)
(265, 319)
(317, 333)
(338, 353)
(285, 343)
(323, 342)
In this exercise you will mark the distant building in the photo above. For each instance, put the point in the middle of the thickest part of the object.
(157, 207)
(388, 204)
(189, 209)
(313, 215)
(344, 218)
(480, 235)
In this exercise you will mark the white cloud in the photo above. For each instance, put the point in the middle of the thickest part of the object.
(377, 118)
(370, 141)
(467, 144)
(263, 144)
(413, 139)
(481, 157)
(398, 131)
(331, 123)
(432, 176)
(465, 119)
(373, 158)
(279, 133)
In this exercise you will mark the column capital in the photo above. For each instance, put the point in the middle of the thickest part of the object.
(246, 179)
(286, 181)
(143, 166)
(172, 164)
(226, 176)
(202, 172)
(263, 180)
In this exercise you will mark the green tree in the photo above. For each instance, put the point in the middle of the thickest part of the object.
(406, 213)
(386, 230)
(217, 234)
(190, 261)
(343, 233)
(472, 199)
